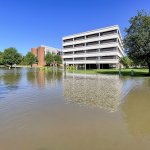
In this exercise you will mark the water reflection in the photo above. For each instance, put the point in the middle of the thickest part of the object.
(9, 80)
(11, 77)
(136, 109)
(20, 112)
(42, 77)
(95, 91)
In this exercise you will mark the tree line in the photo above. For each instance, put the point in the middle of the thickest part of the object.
(137, 41)
(11, 56)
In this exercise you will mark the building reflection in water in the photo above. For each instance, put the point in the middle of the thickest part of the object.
(136, 108)
(41, 78)
(100, 91)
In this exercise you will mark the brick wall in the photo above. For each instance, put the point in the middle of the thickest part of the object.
(41, 55)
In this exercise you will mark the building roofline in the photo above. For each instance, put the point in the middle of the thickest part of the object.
(117, 26)
(50, 47)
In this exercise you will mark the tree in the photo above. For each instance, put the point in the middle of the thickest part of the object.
(125, 61)
(137, 38)
(49, 59)
(11, 56)
(58, 59)
(36, 60)
(30, 59)
(1, 58)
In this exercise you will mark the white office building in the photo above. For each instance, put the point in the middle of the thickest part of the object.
(101, 48)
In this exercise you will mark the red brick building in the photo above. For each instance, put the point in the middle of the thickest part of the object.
(41, 51)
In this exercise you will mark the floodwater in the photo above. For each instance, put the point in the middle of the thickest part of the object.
(44, 110)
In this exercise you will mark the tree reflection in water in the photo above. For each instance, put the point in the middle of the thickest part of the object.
(100, 91)
(41, 78)
(10, 79)
(136, 109)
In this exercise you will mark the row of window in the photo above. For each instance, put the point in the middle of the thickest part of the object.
(109, 49)
(90, 36)
(92, 58)
(91, 43)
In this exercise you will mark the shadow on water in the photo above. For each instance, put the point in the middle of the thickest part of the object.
(41, 78)
(136, 109)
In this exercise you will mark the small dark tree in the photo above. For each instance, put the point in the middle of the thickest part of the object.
(137, 38)
(49, 59)
(11, 56)
(30, 59)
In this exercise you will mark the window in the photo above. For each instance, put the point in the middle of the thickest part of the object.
(79, 52)
(92, 51)
(79, 58)
(108, 41)
(68, 40)
(108, 57)
(92, 35)
(108, 49)
(68, 59)
(69, 46)
(68, 53)
(79, 38)
(92, 58)
(79, 45)
(92, 43)
(108, 32)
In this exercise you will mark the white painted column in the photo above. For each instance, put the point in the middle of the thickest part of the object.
(73, 58)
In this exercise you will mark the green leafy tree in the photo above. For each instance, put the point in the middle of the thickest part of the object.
(11, 56)
(1, 58)
(126, 61)
(49, 59)
(36, 60)
(58, 59)
(30, 59)
(23, 61)
(137, 38)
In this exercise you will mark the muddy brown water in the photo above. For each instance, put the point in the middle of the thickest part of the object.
(42, 110)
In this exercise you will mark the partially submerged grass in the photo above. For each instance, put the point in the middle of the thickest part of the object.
(124, 72)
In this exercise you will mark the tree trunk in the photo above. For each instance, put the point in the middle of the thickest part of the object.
(148, 68)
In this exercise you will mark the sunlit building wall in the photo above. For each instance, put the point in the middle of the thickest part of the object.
(101, 48)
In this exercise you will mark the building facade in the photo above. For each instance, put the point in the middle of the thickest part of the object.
(101, 48)
(41, 51)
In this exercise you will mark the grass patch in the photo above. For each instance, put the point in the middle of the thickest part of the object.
(124, 72)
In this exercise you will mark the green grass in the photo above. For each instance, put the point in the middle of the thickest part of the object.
(124, 72)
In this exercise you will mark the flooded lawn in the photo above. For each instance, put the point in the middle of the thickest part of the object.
(60, 111)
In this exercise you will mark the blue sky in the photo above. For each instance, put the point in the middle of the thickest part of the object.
(30, 23)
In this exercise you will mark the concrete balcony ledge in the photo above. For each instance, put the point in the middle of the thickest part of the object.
(114, 44)
(101, 61)
(93, 55)
(98, 38)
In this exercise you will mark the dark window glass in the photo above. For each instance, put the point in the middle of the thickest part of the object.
(92, 35)
(79, 38)
(92, 43)
(108, 32)
(108, 41)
